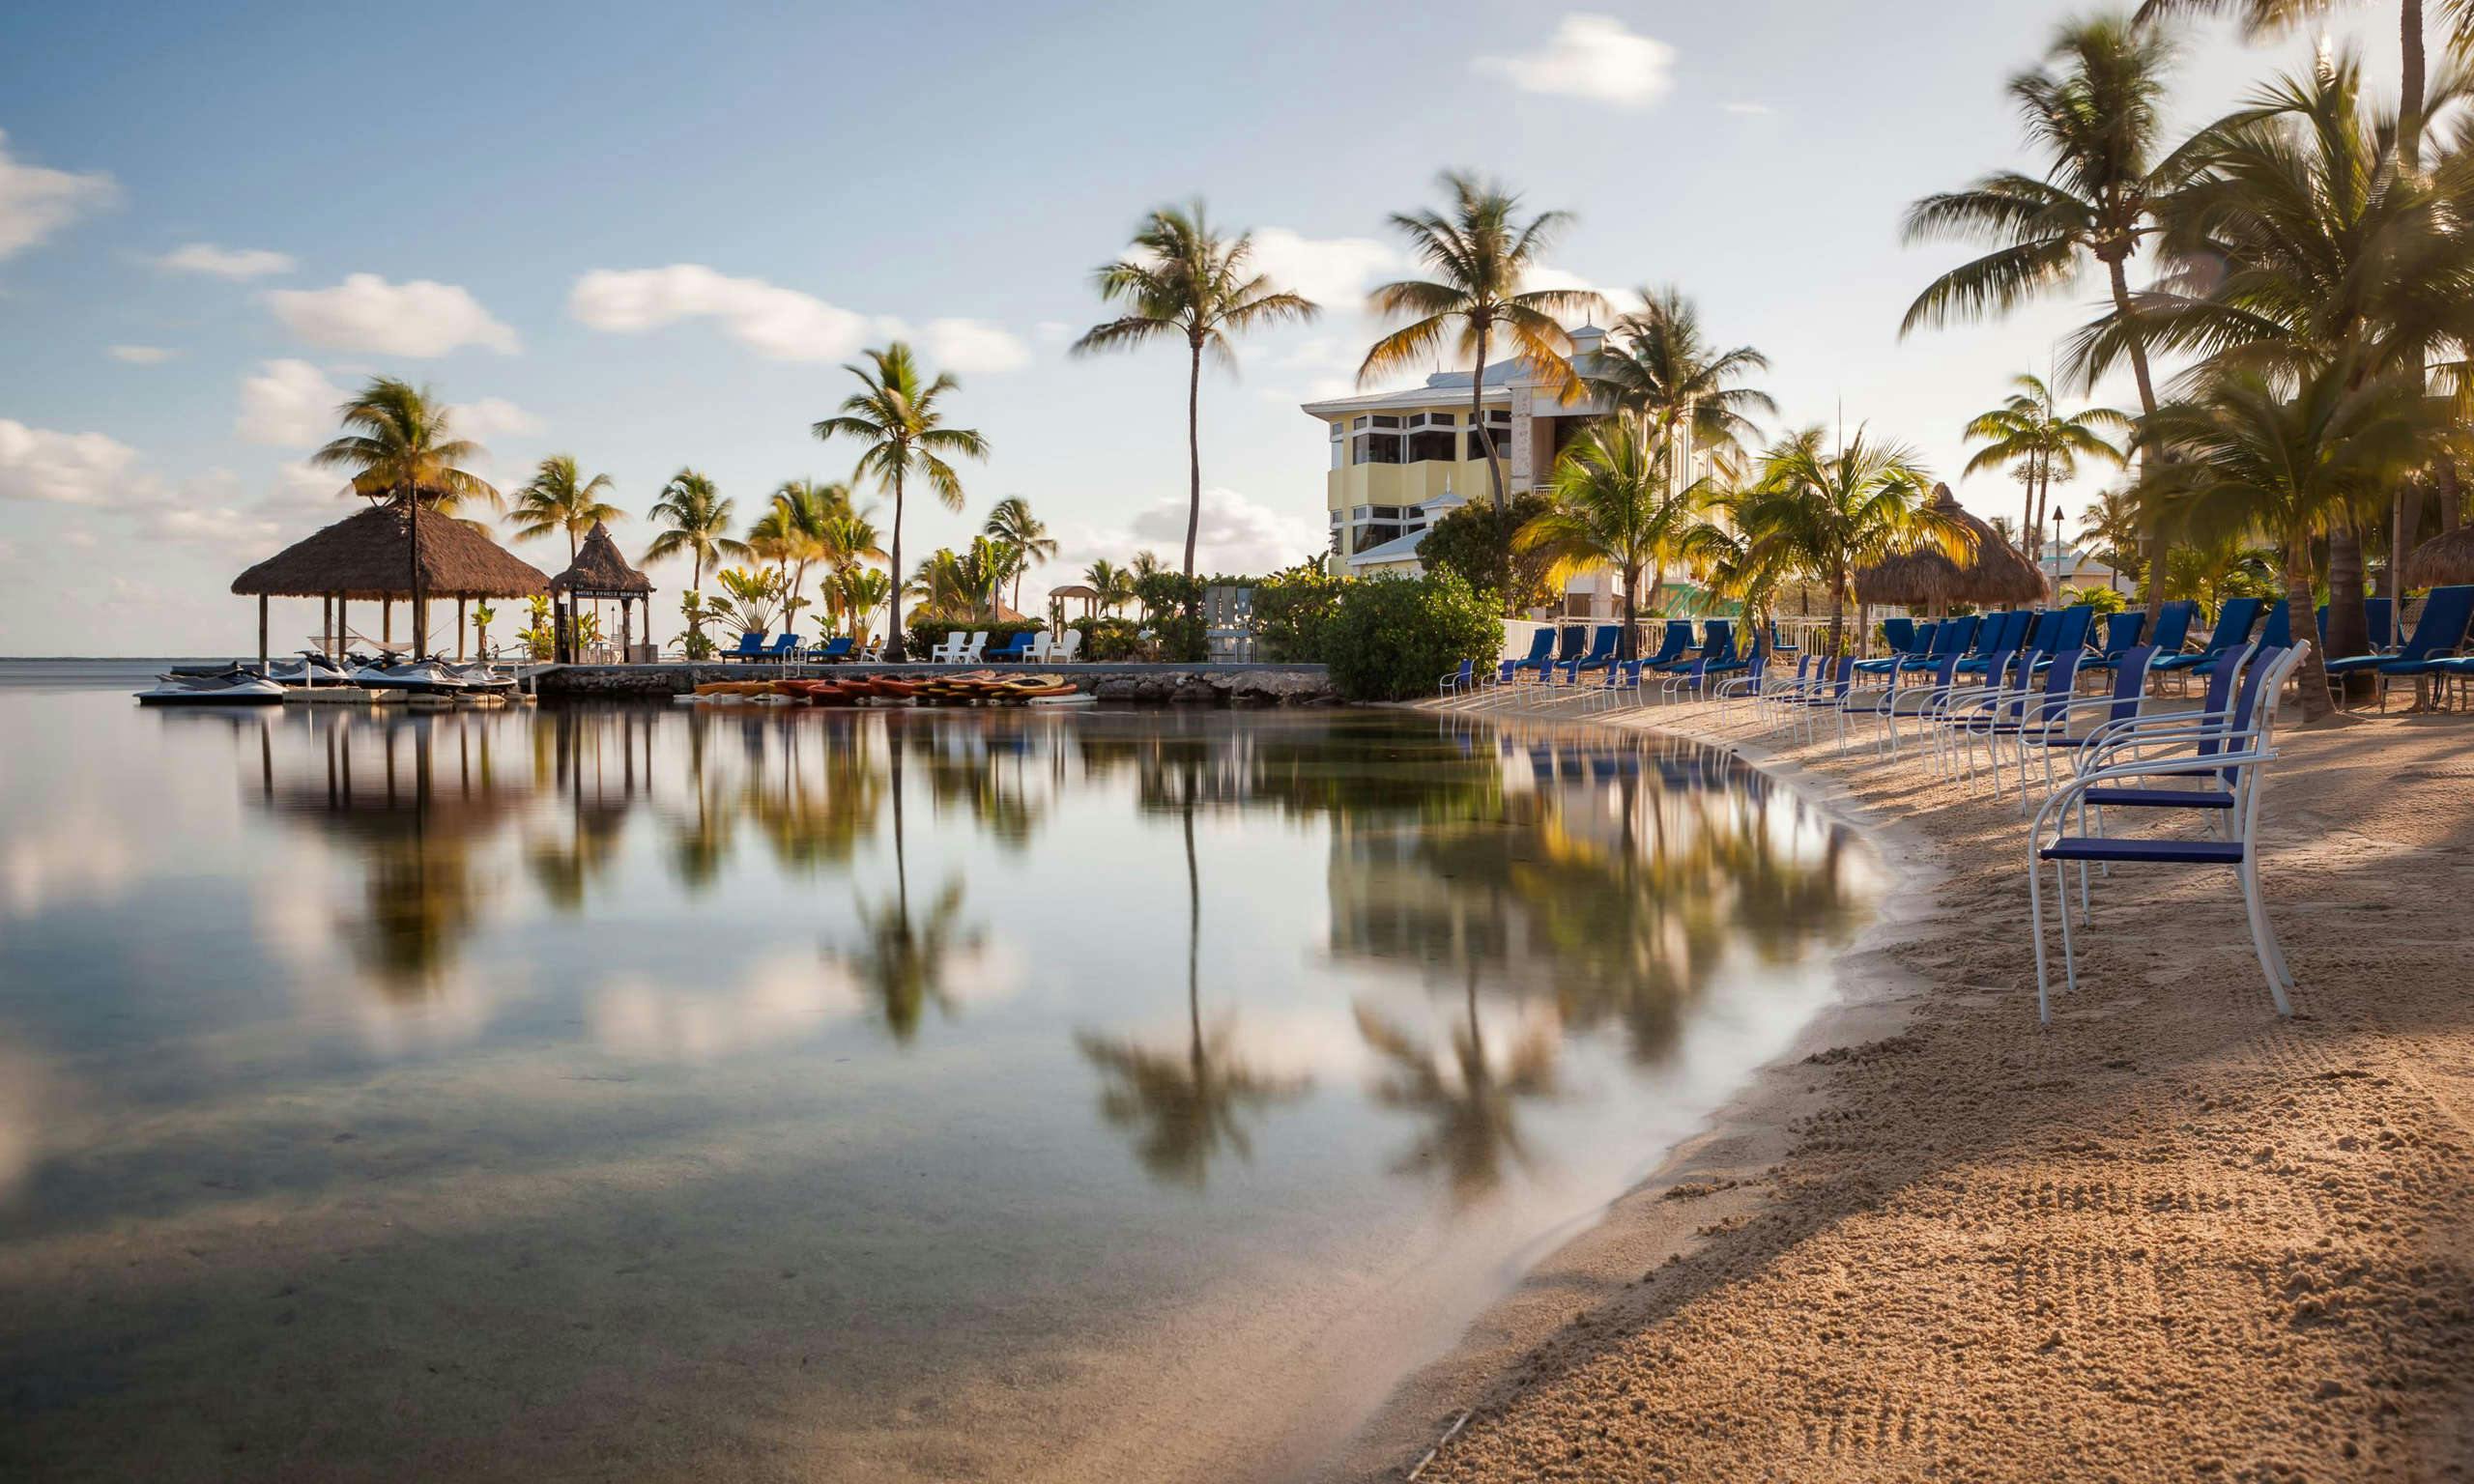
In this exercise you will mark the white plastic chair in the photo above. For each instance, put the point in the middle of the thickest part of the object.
(1067, 647)
(971, 651)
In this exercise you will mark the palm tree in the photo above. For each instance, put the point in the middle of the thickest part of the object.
(2250, 457)
(400, 446)
(2030, 432)
(1829, 513)
(699, 522)
(799, 528)
(862, 591)
(1479, 256)
(848, 539)
(2112, 525)
(1113, 584)
(1011, 523)
(1187, 281)
(1657, 366)
(1614, 503)
(559, 498)
(893, 413)
(2095, 111)
(2304, 248)
(1145, 566)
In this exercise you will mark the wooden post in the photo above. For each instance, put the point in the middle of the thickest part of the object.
(419, 608)
(386, 621)
(343, 626)
(626, 633)
(459, 626)
(262, 628)
(327, 624)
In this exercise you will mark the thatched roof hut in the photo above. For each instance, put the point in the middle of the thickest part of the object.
(600, 572)
(366, 557)
(1997, 573)
(2447, 557)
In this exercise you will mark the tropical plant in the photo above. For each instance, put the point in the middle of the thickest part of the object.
(1657, 366)
(1184, 280)
(2247, 456)
(802, 525)
(1292, 613)
(1011, 523)
(861, 591)
(1825, 514)
(2095, 112)
(752, 597)
(2111, 527)
(1113, 584)
(962, 584)
(559, 499)
(699, 523)
(1481, 256)
(540, 638)
(2038, 442)
(400, 445)
(1476, 540)
(483, 616)
(1614, 503)
(895, 414)
(695, 644)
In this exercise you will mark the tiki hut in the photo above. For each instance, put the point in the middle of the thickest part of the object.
(1089, 595)
(1997, 573)
(371, 556)
(600, 572)
(2447, 557)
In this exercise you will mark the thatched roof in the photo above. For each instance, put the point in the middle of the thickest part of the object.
(1074, 590)
(599, 571)
(1998, 572)
(2447, 557)
(365, 556)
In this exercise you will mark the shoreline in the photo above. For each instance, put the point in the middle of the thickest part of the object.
(1805, 1287)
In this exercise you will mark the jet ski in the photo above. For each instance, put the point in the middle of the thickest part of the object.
(233, 687)
(310, 668)
(413, 677)
(484, 679)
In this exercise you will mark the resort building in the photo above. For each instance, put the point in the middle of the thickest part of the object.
(1401, 460)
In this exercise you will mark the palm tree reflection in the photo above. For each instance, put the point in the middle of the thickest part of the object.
(1185, 1106)
(902, 962)
(1472, 1103)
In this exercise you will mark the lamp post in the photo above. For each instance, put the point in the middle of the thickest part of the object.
(2057, 553)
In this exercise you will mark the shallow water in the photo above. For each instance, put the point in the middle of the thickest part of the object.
(661, 1093)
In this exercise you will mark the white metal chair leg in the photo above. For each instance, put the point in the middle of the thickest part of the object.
(2264, 937)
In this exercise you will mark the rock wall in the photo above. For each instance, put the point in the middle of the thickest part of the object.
(1207, 685)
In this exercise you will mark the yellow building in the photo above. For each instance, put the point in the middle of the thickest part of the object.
(1400, 459)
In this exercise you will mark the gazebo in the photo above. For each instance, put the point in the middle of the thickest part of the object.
(372, 554)
(1089, 595)
(600, 572)
(1997, 573)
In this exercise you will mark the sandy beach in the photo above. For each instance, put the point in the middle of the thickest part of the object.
(2169, 1237)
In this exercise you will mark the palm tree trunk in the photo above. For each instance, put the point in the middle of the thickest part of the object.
(2027, 510)
(1193, 473)
(2298, 597)
(1837, 608)
(893, 624)
(1494, 465)
(1623, 648)
(2155, 541)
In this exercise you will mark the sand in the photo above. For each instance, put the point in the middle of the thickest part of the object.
(2170, 1237)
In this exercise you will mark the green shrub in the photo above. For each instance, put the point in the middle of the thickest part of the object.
(1293, 614)
(1392, 637)
(1110, 639)
(1475, 543)
(2104, 600)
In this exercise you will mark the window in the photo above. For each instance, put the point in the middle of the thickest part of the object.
(1375, 447)
(1339, 446)
(1431, 438)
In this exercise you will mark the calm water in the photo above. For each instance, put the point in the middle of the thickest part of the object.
(654, 1093)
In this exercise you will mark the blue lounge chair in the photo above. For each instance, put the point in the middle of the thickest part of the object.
(1457, 682)
(2237, 849)
(750, 646)
(1717, 642)
(1832, 680)
(1541, 653)
(837, 648)
(2069, 636)
(1672, 644)
(2233, 624)
(785, 648)
(1914, 641)
(1601, 651)
(2439, 631)
(1015, 647)
(2119, 635)
(1571, 643)
(2275, 633)
(2172, 629)
(2379, 617)
(1950, 640)
(2003, 634)
(1898, 636)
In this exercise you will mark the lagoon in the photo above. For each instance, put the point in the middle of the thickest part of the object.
(637, 1091)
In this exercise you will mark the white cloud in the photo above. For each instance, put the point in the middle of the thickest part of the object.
(974, 346)
(142, 355)
(1544, 276)
(1749, 110)
(1334, 272)
(62, 469)
(1236, 534)
(1053, 331)
(1596, 57)
(366, 312)
(289, 404)
(35, 202)
(778, 323)
(77, 538)
(236, 263)
(492, 418)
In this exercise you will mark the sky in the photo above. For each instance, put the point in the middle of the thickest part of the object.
(650, 235)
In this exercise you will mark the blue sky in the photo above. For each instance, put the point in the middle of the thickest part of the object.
(650, 234)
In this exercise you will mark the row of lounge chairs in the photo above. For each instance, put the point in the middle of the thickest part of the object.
(1038, 648)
